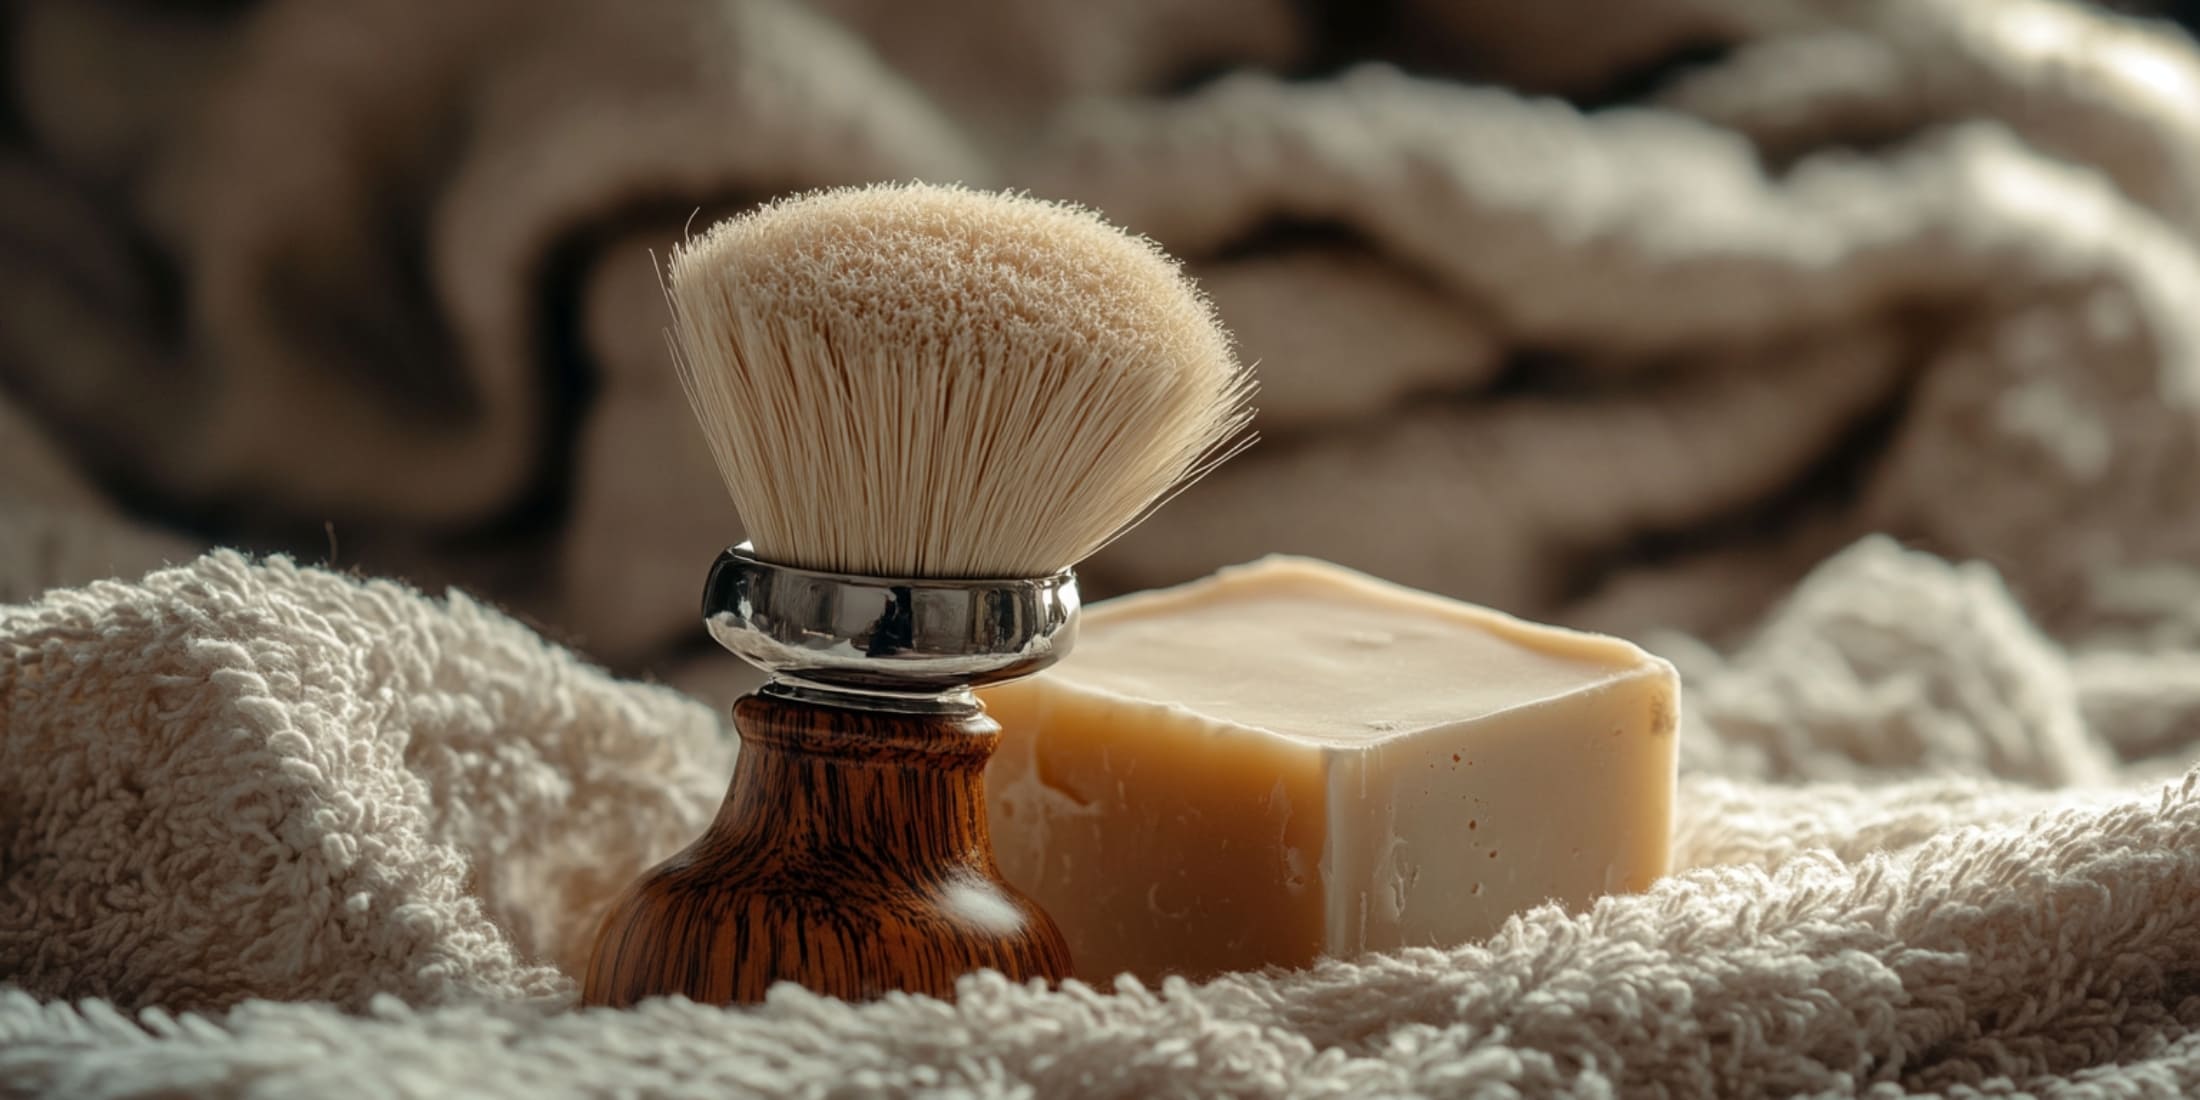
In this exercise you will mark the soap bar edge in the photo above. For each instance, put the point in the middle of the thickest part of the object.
(1512, 628)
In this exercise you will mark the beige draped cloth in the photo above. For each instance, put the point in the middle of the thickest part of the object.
(1655, 318)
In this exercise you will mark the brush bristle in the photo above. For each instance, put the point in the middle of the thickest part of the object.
(925, 381)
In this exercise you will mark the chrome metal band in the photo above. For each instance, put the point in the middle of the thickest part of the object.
(886, 643)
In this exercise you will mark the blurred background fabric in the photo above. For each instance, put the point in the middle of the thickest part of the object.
(1623, 316)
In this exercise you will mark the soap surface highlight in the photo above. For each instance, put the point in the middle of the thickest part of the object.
(1290, 759)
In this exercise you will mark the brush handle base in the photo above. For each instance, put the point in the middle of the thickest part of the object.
(851, 856)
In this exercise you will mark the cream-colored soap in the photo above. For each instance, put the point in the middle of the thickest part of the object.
(1290, 759)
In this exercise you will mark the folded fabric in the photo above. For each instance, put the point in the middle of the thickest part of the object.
(1772, 275)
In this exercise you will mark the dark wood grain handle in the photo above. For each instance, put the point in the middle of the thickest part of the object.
(851, 855)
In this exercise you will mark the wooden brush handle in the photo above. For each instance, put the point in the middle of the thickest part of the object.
(851, 856)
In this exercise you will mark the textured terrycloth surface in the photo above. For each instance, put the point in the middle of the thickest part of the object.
(1922, 267)
(361, 835)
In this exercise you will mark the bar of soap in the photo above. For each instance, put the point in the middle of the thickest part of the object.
(1290, 759)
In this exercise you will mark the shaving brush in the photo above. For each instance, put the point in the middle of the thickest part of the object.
(928, 404)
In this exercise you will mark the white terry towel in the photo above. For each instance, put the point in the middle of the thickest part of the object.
(276, 831)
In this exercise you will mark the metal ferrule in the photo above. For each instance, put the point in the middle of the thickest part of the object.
(894, 644)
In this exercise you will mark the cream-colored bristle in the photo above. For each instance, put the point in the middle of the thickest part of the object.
(926, 381)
